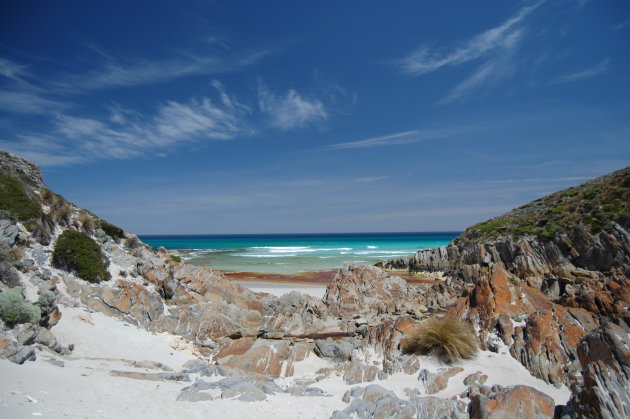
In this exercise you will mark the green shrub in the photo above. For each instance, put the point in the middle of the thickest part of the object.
(550, 230)
(111, 230)
(490, 226)
(46, 302)
(14, 310)
(15, 200)
(525, 229)
(78, 253)
(176, 258)
(593, 193)
(514, 280)
(558, 210)
(449, 340)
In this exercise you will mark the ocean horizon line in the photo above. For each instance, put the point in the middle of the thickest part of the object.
(280, 235)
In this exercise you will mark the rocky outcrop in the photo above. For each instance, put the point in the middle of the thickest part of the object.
(540, 334)
(518, 402)
(604, 356)
(21, 168)
(375, 401)
(359, 290)
(573, 256)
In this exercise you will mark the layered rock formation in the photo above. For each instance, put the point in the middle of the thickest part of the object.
(551, 281)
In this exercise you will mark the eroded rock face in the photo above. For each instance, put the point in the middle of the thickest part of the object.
(359, 290)
(542, 335)
(21, 168)
(604, 356)
(518, 402)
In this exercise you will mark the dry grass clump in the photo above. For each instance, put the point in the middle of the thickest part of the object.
(450, 340)
(62, 214)
(88, 223)
(48, 197)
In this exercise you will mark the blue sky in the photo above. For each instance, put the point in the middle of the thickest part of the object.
(284, 116)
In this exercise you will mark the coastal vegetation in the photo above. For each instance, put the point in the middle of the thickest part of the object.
(595, 205)
(77, 252)
(15, 199)
(14, 310)
(449, 340)
(111, 230)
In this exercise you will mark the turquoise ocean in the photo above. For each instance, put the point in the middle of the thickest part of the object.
(293, 253)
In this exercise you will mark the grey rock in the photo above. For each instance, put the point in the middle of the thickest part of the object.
(306, 391)
(200, 385)
(25, 333)
(189, 396)
(604, 356)
(56, 362)
(476, 378)
(374, 392)
(436, 381)
(8, 232)
(338, 350)
(497, 388)
(152, 365)
(246, 391)
(12, 350)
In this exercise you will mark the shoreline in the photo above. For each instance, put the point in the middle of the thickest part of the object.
(312, 278)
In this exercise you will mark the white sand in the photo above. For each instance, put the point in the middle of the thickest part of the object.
(278, 290)
(84, 387)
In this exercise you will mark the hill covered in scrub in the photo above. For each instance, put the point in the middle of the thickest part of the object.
(80, 297)
(595, 205)
(580, 232)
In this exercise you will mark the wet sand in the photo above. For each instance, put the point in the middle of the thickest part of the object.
(316, 278)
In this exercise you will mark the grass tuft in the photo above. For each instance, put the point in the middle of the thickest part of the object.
(449, 340)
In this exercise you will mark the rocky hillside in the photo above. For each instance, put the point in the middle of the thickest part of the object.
(569, 245)
(64, 272)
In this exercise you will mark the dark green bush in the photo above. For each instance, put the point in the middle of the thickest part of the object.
(111, 230)
(78, 253)
(14, 310)
(15, 200)
(176, 258)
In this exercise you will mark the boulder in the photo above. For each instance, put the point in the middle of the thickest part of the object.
(517, 402)
(434, 382)
(12, 350)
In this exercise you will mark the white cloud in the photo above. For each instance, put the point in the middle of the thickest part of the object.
(12, 70)
(28, 101)
(291, 110)
(114, 74)
(504, 36)
(584, 74)
(496, 46)
(405, 137)
(621, 25)
(124, 135)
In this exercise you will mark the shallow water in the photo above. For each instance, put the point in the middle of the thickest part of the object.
(292, 253)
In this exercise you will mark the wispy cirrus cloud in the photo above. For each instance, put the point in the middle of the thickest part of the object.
(588, 73)
(496, 46)
(504, 36)
(12, 70)
(291, 110)
(405, 137)
(114, 73)
(126, 134)
(621, 25)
